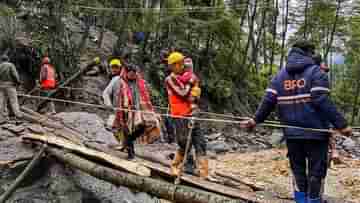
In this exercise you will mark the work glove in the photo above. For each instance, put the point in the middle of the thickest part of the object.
(248, 124)
(195, 91)
(346, 131)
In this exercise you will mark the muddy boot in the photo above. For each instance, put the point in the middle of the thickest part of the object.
(203, 165)
(176, 164)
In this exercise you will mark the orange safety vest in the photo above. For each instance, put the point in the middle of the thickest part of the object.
(179, 106)
(49, 82)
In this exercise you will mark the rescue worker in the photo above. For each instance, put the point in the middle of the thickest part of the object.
(181, 106)
(48, 82)
(135, 116)
(301, 93)
(115, 67)
(110, 97)
(9, 79)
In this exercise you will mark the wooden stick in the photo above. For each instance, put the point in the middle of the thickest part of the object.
(22, 176)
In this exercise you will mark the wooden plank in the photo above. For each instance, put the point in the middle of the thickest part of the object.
(189, 179)
(158, 188)
(129, 166)
(204, 184)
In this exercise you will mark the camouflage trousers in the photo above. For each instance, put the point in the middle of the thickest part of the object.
(8, 97)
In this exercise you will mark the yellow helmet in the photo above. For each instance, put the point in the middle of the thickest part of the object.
(115, 62)
(97, 60)
(175, 57)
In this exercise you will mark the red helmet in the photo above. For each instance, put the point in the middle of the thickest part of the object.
(45, 60)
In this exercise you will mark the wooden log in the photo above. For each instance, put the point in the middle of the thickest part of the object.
(129, 166)
(22, 176)
(161, 189)
(188, 179)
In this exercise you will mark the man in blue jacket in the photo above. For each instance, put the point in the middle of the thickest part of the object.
(301, 93)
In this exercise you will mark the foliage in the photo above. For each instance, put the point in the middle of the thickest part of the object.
(234, 54)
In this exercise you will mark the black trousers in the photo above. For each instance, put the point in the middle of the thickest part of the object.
(198, 140)
(309, 164)
(131, 138)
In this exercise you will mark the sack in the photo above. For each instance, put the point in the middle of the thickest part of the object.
(110, 121)
(151, 134)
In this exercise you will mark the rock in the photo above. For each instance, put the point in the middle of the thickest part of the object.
(2, 120)
(13, 148)
(50, 185)
(214, 136)
(102, 190)
(5, 134)
(349, 144)
(90, 125)
(14, 128)
(218, 147)
(36, 129)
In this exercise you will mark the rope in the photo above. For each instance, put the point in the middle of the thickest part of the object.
(273, 124)
(162, 107)
(128, 110)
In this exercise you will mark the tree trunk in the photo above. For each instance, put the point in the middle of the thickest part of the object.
(255, 52)
(129, 166)
(329, 45)
(176, 193)
(244, 14)
(355, 106)
(251, 32)
(284, 32)
(305, 16)
(274, 36)
(159, 164)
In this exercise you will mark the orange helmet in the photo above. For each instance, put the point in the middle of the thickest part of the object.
(45, 60)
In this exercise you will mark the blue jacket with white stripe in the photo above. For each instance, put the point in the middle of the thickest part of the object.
(301, 93)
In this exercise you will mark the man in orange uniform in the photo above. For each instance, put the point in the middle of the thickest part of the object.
(48, 81)
(180, 100)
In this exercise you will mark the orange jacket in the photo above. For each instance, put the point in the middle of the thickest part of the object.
(47, 77)
(178, 94)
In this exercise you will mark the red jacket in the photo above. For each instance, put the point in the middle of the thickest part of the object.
(47, 77)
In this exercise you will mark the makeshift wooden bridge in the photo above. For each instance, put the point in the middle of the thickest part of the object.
(150, 173)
